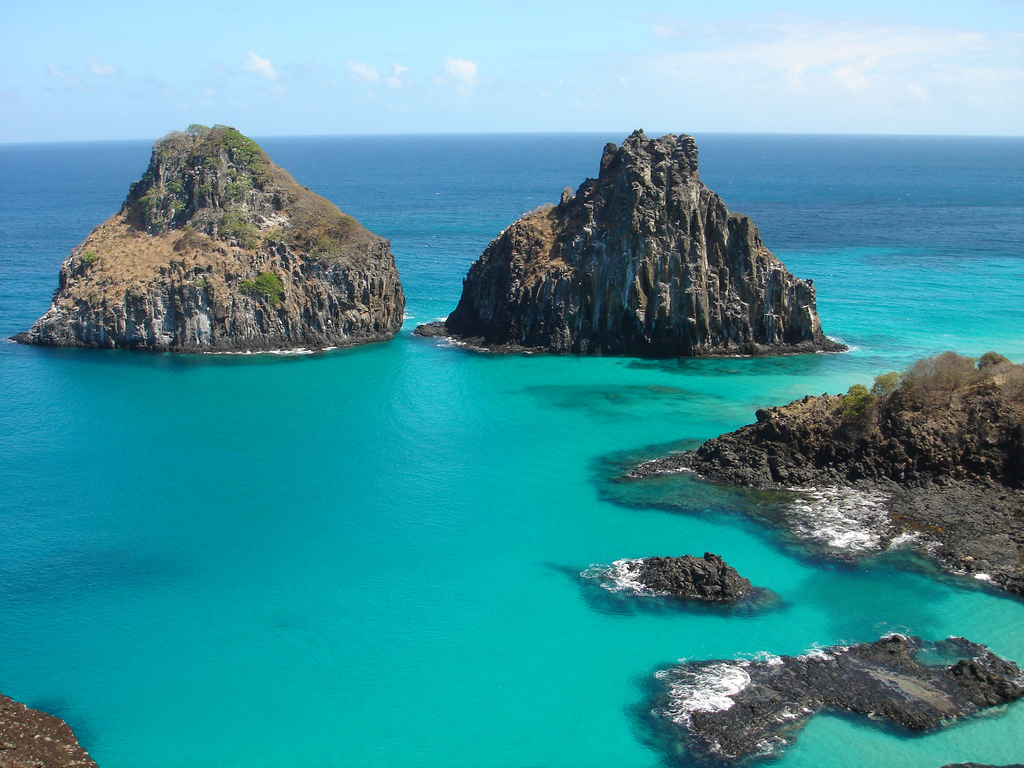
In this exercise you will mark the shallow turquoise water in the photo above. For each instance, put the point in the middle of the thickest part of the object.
(369, 557)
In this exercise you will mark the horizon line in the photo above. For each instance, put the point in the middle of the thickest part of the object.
(411, 134)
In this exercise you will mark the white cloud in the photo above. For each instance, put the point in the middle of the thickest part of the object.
(666, 32)
(850, 77)
(397, 78)
(917, 90)
(75, 83)
(801, 61)
(100, 69)
(364, 73)
(259, 66)
(463, 72)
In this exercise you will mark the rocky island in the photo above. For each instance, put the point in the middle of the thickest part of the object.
(217, 249)
(33, 739)
(932, 457)
(644, 260)
(706, 579)
(730, 710)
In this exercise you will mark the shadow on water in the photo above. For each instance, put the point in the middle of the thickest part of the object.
(66, 571)
(788, 365)
(763, 512)
(623, 400)
(593, 584)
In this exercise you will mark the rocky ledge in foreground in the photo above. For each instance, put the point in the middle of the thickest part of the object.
(730, 710)
(217, 249)
(707, 579)
(933, 457)
(644, 260)
(33, 739)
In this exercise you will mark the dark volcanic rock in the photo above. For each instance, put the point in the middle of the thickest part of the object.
(33, 739)
(645, 260)
(693, 578)
(943, 463)
(729, 710)
(217, 249)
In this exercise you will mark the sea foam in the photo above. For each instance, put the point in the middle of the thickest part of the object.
(842, 518)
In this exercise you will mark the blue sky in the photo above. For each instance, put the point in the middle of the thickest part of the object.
(123, 69)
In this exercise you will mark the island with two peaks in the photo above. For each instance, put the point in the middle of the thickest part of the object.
(939, 448)
(217, 249)
(642, 261)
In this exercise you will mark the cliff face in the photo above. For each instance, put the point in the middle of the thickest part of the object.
(218, 249)
(644, 260)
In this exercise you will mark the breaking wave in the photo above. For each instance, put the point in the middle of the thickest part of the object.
(842, 518)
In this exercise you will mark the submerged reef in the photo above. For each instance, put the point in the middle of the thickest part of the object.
(217, 249)
(729, 710)
(931, 458)
(644, 260)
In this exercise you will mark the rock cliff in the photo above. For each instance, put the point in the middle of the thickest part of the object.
(644, 260)
(940, 447)
(734, 709)
(33, 739)
(218, 249)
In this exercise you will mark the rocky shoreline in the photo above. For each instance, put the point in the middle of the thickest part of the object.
(941, 472)
(729, 710)
(645, 261)
(33, 739)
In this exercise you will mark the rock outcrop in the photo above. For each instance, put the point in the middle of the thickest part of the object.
(941, 454)
(734, 709)
(33, 739)
(218, 249)
(644, 260)
(708, 578)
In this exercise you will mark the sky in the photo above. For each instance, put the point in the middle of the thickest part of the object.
(136, 69)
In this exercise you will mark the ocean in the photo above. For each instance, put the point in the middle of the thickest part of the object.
(371, 557)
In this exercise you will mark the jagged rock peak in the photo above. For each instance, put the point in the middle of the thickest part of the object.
(216, 248)
(644, 260)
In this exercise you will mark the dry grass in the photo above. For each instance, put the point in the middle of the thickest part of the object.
(535, 236)
(130, 260)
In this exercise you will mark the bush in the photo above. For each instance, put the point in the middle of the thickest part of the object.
(990, 359)
(235, 226)
(267, 284)
(885, 384)
(932, 380)
(89, 257)
(856, 400)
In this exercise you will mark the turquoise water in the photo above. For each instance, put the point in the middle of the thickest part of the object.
(369, 557)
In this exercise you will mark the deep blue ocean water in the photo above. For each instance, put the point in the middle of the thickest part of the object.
(368, 557)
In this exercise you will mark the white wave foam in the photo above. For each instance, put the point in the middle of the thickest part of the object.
(821, 653)
(983, 576)
(621, 576)
(283, 352)
(709, 688)
(841, 517)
